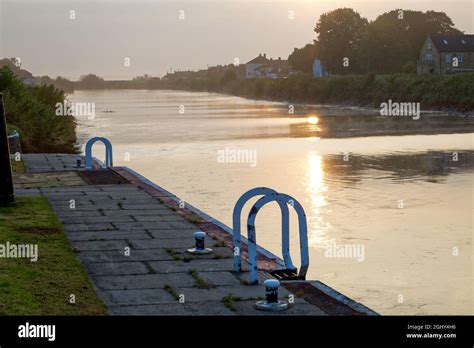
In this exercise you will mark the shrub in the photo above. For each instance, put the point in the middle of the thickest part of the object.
(31, 110)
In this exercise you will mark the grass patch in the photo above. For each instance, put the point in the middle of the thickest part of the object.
(194, 219)
(220, 243)
(169, 289)
(43, 180)
(173, 253)
(300, 293)
(18, 166)
(229, 301)
(199, 282)
(39, 229)
(244, 281)
(43, 287)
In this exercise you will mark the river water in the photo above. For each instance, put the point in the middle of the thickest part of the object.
(389, 217)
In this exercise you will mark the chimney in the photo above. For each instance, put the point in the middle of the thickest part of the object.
(264, 55)
(279, 58)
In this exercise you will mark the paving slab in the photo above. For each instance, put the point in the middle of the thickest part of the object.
(161, 309)
(209, 265)
(144, 281)
(136, 297)
(100, 245)
(110, 235)
(120, 256)
(117, 268)
(248, 308)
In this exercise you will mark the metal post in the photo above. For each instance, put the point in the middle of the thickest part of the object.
(6, 180)
(78, 162)
(199, 244)
(271, 302)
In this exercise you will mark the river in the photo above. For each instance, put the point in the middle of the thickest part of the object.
(394, 211)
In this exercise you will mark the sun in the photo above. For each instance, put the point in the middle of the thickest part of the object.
(313, 119)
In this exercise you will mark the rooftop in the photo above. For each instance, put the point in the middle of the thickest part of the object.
(453, 43)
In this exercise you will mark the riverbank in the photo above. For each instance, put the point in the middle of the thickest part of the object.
(434, 92)
(439, 92)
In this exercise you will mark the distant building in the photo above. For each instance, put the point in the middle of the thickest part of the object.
(318, 69)
(442, 54)
(239, 70)
(262, 67)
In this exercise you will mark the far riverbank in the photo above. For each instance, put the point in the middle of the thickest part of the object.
(433, 92)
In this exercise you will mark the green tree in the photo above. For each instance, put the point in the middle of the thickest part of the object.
(394, 39)
(64, 84)
(302, 58)
(91, 81)
(340, 34)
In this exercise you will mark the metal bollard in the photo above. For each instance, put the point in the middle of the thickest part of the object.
(199, 247)
(271, 302)
(78, 162)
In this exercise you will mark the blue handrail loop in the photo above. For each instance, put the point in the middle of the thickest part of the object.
(270, 195)
(236, 226)
(303, 233)
(108, 151)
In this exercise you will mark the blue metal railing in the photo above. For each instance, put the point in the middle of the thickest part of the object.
(108, 151)
(236, 227)
(269, 195)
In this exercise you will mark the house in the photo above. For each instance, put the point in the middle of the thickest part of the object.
(442, 54)
(262, 67)
(318, 69)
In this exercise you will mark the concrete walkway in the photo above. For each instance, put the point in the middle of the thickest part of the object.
(133, 246)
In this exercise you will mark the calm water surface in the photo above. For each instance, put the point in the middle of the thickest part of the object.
(417, 259)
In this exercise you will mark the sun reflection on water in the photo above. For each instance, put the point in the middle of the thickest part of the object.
(317, 226)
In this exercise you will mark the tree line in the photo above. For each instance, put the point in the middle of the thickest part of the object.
(389, 44)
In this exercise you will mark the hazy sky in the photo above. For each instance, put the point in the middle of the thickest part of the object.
(155, 39)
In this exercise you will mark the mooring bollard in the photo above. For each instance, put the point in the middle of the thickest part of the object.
(78, 162)
(271, 302)
(199, 247)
